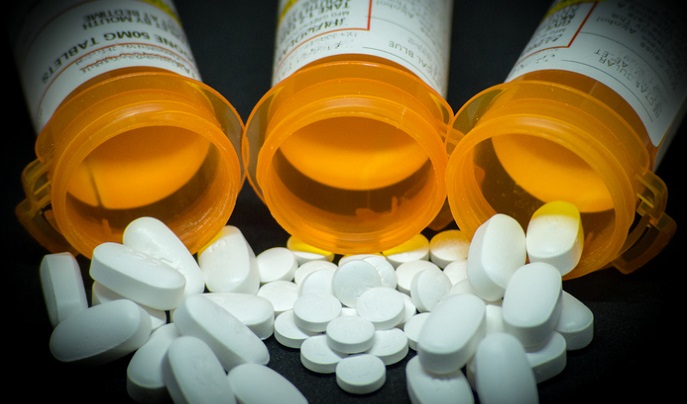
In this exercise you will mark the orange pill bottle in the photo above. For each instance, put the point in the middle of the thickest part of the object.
(126, 128)
(584, 116)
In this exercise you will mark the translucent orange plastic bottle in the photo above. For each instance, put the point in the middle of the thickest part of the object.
(346, 149)
(584, 116)
(126, 128)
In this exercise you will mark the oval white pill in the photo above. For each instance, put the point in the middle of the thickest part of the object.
(448, 246)
(254, 311)
(496, 251)
(425, 387)
(316, 355)
(153, 237)
(428, 288)
(417, 248)
(63, 289)
(451, 333)
(193, 374)
(232, 341)
(406, 271)
(350, 334)
(576, 322)
(137, 276)
(100, 334)
(360, 374)
(391, 346)
(248, 383)
(229, 264)
(502, 372)
(288, 333)
(352, 279)
(549, 359)
(144, 380)
(555, 235)
(282, 295)
(313, 311)
(383, 306)
(101, 294)
(276, 264)
(532, 303)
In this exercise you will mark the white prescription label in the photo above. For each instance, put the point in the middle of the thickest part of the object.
(68, 43)
(632, 46)
(413, 33)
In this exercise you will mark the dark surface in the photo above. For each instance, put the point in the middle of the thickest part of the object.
(637, 351)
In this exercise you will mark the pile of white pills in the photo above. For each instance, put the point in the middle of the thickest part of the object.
(487, 318)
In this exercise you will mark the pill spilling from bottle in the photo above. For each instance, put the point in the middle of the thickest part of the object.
(483, 320)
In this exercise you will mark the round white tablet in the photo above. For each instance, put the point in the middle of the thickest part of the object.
(352, 279)
(383, 306)
(350, 334)
(360, 373)
(317, 356)
(313, 311)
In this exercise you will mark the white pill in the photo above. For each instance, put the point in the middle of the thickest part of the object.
(576, 322)
(232, 341)
(316, 355)
(154, 237)
(193, 374)
(288, 333)
(137, 276)
(352, 279)
(496, 251)
(391, 346)
(555, 235)
(64, 292)
(319, 281)
(425, 387)
(385, 269)
(502, 372)
(350, 334)
(532, 303)
(462, 287)
(100, 334)
(101, 294)
(254, 311)
(448, 246)
(229, 263)
(144, 380)
(413, 326)
(282, 295)
(457, 271)
(406, 271)
(313, 311)
(549, 359)
(428, 288)
(494, 314)
(417, 248)
(360, 374)
(409, 309)
(276, 264)
(383, 306)
(451, 333)
(311, 266)
(248, 383)
(305, 252)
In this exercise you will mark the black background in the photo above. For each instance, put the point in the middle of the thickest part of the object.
(638, 340)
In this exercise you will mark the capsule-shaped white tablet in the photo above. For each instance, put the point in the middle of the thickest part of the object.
(496, 251)
(451, 333)
(288, 333)
(448, 246)
(385, 269)
(383, 306)
(350, 334)
(428, 288)
(417, 248)
(153, 237)
(281, 294)
(137, 276)
(101, 294)
(313, 311)
(317, 356)
(360, 373)
(254, 311)
(276, 264)
(229, 263)
(532, 303)
(193, 374)
(101, 333)
(352, 279)
(144, 379)
(502, 371)
(555, 235)
(426, 387)
(63, 289)
(391, 346)
(576, 323)
(549, 359)
(248, 383)
(232, 341)
(406, 271)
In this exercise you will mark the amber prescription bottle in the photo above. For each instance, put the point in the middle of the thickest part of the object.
(126, 128)
(347, 147)
(584, 116)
